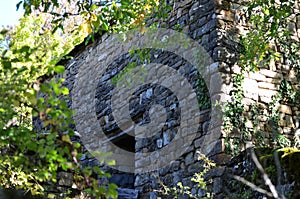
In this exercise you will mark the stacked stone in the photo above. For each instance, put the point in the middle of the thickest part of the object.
(198, 20)
(217, 26)
(261, 86)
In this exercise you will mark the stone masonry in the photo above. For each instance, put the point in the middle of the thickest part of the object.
(216, 26)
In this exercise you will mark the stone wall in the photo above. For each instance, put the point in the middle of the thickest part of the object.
(259, 87)
(215, 25)
(197, 20)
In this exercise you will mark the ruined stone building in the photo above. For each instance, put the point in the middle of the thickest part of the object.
(214, 24)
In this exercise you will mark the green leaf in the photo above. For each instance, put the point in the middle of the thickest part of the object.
(66, 138)
(105, 26)
(93, 7)
(59, 69)
(111, 162)
(6, 64)
(65, 91)
(25, 49)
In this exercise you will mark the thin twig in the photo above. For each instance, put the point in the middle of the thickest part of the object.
(278, 170)
(266, 178)
(251, 185)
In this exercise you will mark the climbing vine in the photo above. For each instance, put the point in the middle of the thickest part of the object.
(269, 42)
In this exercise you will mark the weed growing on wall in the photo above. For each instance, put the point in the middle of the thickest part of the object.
(269, 41)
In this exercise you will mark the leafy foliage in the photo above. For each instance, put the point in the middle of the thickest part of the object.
(269, 42)
(95, 17)
(199, 179)
(30, 160)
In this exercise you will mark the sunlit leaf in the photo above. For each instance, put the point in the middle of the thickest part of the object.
(59, 69)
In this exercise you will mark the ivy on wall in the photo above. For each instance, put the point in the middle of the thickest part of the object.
(269, 41)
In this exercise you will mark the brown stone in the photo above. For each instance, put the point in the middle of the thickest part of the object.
(65, 179)
(257, 76)
(226, 15)
(221, 159)
(222, 4)
(289, 121)
(102, 121)
(250, 88)
(269, 73)
(270, 86)
(266, 92)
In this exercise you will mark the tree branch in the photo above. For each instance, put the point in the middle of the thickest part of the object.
(251, 185)
(264, 174)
